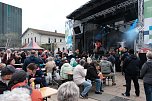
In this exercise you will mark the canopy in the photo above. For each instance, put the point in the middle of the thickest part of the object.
(32, 45)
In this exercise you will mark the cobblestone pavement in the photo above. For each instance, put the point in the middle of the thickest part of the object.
(113, 93)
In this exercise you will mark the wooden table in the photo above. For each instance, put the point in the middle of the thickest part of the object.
(47, 92)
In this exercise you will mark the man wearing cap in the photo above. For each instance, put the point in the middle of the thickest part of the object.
(6, 74)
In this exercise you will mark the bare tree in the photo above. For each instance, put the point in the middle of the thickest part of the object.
(10, 40)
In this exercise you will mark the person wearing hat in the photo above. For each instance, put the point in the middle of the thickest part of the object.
(19, 80)
(6, 74)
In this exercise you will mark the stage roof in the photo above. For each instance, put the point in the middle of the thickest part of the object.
(106, 11)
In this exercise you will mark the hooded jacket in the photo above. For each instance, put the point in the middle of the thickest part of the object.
(66, 67)
(31, 59)
(146, 72)
(131, 65)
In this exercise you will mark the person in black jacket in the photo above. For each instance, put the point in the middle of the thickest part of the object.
(92, 74)
(131, 70)
(32, 59)
(6, 74)
(36, 75)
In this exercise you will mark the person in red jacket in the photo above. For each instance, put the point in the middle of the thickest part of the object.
(19, 80)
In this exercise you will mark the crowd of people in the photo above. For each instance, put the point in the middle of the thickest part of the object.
(86, 70)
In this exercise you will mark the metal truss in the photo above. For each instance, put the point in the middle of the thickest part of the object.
(109, 10)
(141, 23)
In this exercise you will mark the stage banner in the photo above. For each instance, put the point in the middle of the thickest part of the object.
(148, 21)
(68, 34)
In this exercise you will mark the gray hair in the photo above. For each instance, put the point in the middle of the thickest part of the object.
(68, 91)
(149, 55)
(17, 94)
(50, 59)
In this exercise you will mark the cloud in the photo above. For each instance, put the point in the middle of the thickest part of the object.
(45, 14)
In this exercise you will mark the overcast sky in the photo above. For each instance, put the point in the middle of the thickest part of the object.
(45, 14)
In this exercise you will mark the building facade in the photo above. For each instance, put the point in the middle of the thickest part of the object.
(10, 19)
(10, 22)
(46, 39)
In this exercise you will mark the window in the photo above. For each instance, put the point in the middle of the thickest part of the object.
(28, 40)
(25, 40)
(54, 40)
(31, 39)
(35, 39)
(60, 40)
(49, 40)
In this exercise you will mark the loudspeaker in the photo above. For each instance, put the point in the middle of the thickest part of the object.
(77, 30)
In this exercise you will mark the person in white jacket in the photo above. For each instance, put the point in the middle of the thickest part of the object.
(79, 74)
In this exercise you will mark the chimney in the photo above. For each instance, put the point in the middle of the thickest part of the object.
(55, 31)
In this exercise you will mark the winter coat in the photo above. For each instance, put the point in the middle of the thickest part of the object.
(131, 65)
(31, 59)
(66, 67)
(79, 74)
(106, 67)
(73, 62)
(39, 78)
(92, 73)
(3, 87)
(146, 72)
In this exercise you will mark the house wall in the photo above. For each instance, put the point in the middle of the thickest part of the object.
(44, 39)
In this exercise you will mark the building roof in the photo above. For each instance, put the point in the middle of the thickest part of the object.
(42, 32)
(32, 45)
(102, 11)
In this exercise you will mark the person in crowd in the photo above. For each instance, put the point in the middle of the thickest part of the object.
(89, 60)
(44, 57)
(65, 68)
(19, 80)
(2, 65)
(92, 74)
(107, 68)
(131, 70)
(17, 57)
(79, 74)
(7, 56)
(111, 57)
(36, 75)
(50, 67)
(57, 60)
(73, 62)
(124, 55)
(146, 74)
(117, 60)
(10, 61)
(76, 53)
(23, 56)
(17, 94)
(70, 55)
(6, 75)
(32, 59)
(68, 91)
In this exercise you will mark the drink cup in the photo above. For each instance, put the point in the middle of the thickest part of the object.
(37, 86)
